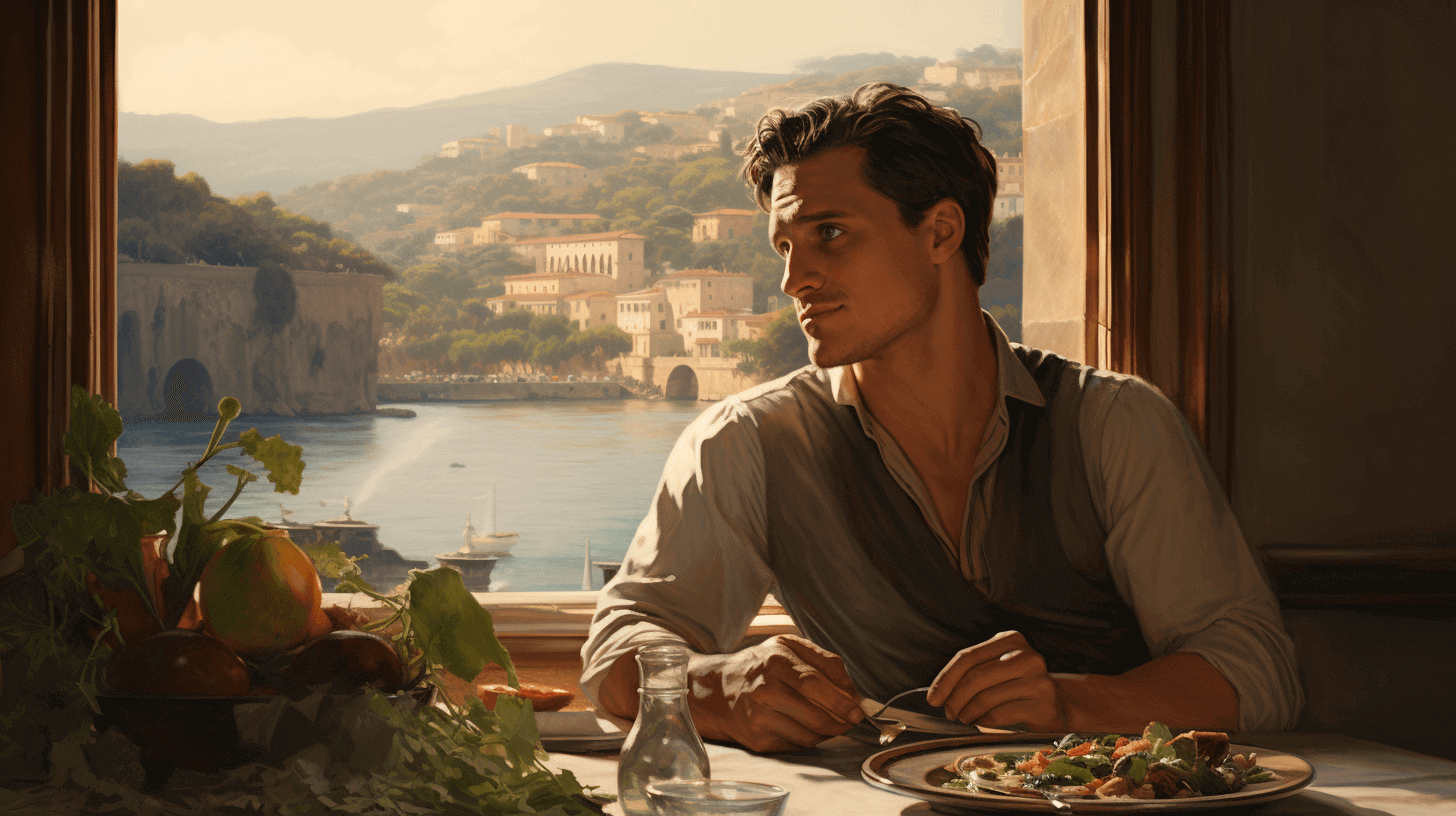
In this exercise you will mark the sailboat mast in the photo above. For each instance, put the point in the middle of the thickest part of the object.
(586, 577)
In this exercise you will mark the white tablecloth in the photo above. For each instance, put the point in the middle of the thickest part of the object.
(1352, 776)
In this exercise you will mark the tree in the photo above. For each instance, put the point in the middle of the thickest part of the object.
(553, 327)
(1006, 249)
(781, 349)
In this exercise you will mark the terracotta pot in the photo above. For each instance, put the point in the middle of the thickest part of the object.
(132, 616)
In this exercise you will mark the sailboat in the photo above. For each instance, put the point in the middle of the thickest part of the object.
(492, 543)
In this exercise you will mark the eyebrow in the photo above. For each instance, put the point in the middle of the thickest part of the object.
(826, 215)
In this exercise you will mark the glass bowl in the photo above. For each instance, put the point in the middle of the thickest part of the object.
(715, 796)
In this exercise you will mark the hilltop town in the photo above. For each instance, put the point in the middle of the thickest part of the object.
(599, 269)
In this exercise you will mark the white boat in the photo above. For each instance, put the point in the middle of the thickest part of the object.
(492, 543)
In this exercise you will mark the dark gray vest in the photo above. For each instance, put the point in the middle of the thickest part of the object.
(864, 576)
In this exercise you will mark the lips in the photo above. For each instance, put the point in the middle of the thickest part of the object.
(814, 310)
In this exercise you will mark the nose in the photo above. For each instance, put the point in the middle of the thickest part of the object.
(801, 274)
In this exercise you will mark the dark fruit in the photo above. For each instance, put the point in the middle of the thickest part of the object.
(178, 661)
(344, 658)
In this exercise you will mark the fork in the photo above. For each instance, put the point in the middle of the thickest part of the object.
(886, 707)
(890, 728)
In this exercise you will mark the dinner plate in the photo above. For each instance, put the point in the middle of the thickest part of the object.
(577, 732)
(918, 770)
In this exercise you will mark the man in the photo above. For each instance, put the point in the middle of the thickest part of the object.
(1040, 542)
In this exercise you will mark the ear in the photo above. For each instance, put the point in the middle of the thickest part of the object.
(946, 228)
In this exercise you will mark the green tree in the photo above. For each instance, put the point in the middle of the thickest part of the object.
(781, 349)
(551, 327)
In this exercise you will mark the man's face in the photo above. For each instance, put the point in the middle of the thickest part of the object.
(860, 278)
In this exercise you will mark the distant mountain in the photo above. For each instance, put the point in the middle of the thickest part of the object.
(278, 155)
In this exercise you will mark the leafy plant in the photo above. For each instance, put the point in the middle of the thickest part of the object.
(450, 758)
(53, 614)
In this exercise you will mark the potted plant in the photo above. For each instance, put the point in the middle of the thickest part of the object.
(111, 574)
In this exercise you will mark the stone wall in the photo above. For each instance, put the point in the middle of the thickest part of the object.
(702, 378)
(466, 391)
(198, 333)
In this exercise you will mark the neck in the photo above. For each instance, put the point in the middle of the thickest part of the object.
(938, 384)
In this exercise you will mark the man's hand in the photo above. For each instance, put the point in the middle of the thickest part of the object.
(781, 695)
(1002, 683)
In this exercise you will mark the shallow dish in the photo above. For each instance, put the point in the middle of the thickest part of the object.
(918, 770)
(577, 732)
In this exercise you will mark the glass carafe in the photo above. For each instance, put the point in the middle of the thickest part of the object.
(663, 744)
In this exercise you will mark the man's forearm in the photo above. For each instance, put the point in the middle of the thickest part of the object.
(618, 691)
(1181, 690)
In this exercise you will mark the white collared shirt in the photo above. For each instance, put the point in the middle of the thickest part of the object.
(1173, 548)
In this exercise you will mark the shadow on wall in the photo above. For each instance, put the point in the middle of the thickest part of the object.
(1378, 674)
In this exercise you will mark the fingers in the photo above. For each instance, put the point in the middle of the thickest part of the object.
(823, 680)
(1002, 682)
(787, 694)
(953, 675)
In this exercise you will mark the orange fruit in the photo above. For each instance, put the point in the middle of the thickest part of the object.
(260, 594)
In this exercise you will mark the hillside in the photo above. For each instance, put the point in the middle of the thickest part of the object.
(278, 155)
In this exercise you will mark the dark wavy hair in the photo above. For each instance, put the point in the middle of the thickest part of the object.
(916, 154)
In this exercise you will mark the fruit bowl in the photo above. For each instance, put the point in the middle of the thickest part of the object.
(212, 733)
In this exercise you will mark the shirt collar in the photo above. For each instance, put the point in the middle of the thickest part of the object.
(1013, 380)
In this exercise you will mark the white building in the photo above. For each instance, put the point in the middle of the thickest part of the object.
(646, 316)
(706, 290)
(617, 257)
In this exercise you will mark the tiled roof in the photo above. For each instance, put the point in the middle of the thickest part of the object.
(652, 291)
(576, 239)
(704, 273)
(552, 164)
(550, 276)
(720, 313)
(533, 296)
(726, 211)
(588, 295)
(505, 215)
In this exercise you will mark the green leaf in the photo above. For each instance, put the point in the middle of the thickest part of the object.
(194, 498)
(1062, 767)
(1184, 748)
(1137, 768)
(517, 723)
(196, 545)
(157, 515)
(95, 425)
(283, 461)
(454, 630)
(331, 561)
(1208, 783)
(1157, 731)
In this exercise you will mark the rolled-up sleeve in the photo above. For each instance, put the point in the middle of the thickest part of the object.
(695, 571)
(1178, 556)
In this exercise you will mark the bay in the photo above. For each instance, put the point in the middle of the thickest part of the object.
(563, 472)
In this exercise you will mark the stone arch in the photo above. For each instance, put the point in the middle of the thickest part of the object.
(187, 391)
(593, 264)
(682, 384)
(609, 264)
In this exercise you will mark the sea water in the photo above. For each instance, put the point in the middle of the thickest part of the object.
(562, 472)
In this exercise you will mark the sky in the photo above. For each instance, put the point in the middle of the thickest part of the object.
(265, 59)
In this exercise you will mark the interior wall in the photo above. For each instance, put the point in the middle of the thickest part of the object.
(1343, 278)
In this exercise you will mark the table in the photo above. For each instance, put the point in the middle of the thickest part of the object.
(1352, 776)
